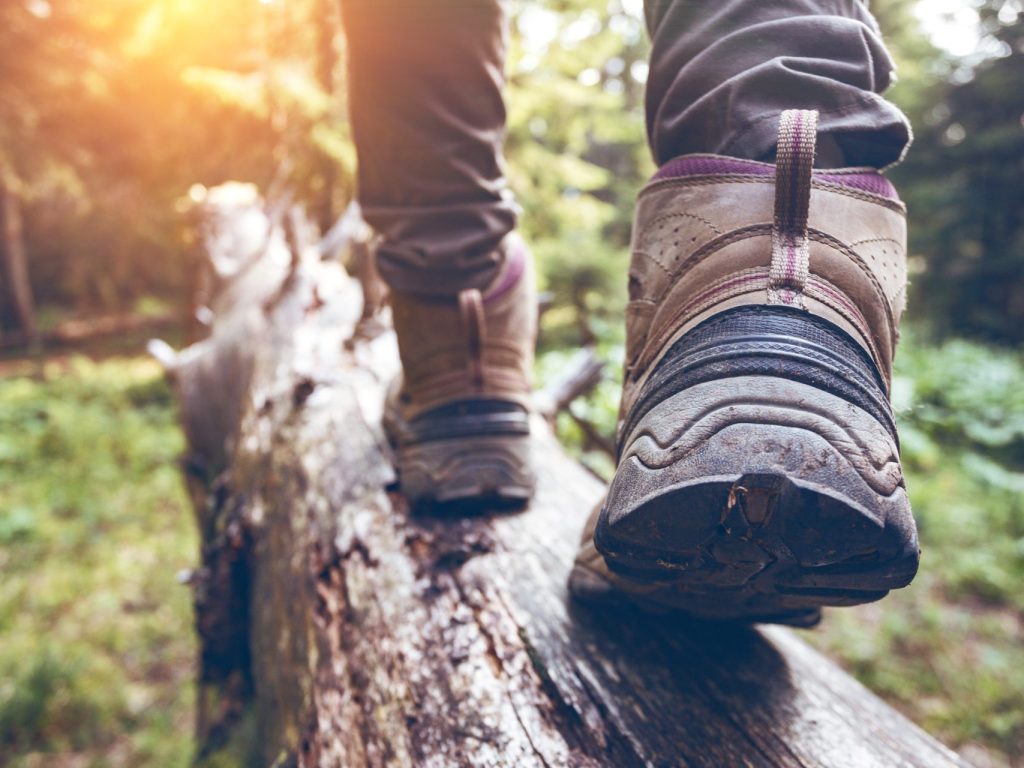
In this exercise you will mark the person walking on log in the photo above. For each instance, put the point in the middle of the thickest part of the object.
(758, 473)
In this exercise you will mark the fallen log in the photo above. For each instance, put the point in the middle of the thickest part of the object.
(337, 629)
(84, 331)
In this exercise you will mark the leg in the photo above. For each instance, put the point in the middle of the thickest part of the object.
(759, 473)
(722, 72)
(428, 117)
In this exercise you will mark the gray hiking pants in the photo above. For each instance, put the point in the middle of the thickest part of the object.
(428, 116)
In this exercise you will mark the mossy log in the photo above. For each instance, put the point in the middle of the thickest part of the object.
(337, 629)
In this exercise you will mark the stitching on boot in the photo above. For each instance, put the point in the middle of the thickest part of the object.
(669, 216)
(708, 249)
(826, 239)
(736, 284)
(867, 240)
(655, 342)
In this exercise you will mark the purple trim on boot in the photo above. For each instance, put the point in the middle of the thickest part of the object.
(711, 165)
(515, 265)
(866, 181)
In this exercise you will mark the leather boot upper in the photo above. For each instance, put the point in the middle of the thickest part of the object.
(712, 233)
(478, 345)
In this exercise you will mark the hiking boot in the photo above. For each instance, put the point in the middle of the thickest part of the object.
(758, 472)
(458, 417)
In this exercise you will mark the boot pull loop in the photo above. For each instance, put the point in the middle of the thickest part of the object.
(471, 311)
(794, 162)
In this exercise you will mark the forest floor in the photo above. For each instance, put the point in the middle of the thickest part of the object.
(96, 639)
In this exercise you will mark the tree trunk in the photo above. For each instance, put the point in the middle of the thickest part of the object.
(15, 264)
(327, 26)
(337, 629)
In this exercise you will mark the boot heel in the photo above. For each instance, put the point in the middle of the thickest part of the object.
(760, 491)
(495, 468)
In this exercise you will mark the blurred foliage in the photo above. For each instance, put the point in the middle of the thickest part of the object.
(110, 111)
(577, 153)
(963, 181)
(961, 412)
(97, 650)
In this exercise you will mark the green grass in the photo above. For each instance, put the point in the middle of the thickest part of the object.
(96, 639)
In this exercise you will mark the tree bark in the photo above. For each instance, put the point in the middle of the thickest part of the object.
(337, 629)
(15, 265)
(327, 25)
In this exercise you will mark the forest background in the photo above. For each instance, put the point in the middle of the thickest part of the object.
(110, 112)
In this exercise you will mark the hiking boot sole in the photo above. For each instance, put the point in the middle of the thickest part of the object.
(759, 498)
(488, 469)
